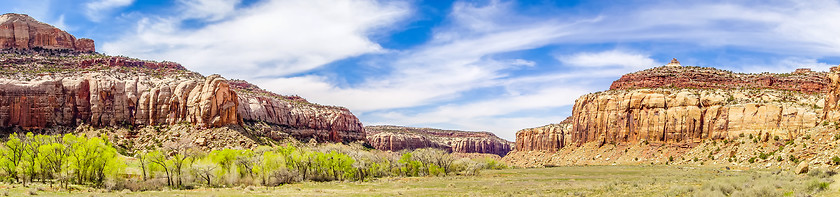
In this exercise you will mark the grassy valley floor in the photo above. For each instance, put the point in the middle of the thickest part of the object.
(558, 181)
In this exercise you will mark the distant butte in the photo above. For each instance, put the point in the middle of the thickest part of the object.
(20, 31)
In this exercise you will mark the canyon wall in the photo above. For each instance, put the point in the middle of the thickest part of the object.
(801, 80)
(19, 31)
(396, 138)
(686, 105)
(102, 100)
(545, 138)
(831, 112)
(325, 123)
(38, 92)
(41, 88)
(690, 115)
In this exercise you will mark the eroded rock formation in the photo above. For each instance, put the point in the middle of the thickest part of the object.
(326, 123)
(802, 80)
(102, 100)
(42, 90)
(545, 138)
(685, 105)
(690, 115)
(19, 31)
(395, 138)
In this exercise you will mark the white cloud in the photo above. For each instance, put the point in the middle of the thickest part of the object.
(435, 72)
(784, 65)
(781, 27)
(211, 10)
(608, 58)
(271, 38)
(98, 9)
(271, 41)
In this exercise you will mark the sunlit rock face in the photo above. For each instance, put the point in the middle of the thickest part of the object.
(19, 31)
(396, 138)
(40, 90)
(685, 105)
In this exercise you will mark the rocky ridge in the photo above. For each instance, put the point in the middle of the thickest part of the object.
(40, 91)
(671, 111)
(396, 138)
(801, 80)
(20, 31)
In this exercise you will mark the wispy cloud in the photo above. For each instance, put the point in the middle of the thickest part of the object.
(272, 38)
(465, 76)
(96, 10)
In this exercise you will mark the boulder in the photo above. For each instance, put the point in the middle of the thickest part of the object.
(802, 168)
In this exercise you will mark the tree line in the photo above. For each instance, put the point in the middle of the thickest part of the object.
(71, 159)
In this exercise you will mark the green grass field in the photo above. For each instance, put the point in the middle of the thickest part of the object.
(559, 181)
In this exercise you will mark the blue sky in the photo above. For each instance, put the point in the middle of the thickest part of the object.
(496, 66)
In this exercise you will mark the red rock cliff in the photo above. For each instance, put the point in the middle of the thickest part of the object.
(19, 31)
(395, 138)
(42, 90)
(802, 80)
(684, 105)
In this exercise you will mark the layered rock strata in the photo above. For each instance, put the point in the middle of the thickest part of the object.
(44, 91)
(325, 123)
(545, 138)
(801, 80)
(690, 115)
(832, 101)
(686, 105)
(19, 31)
(102, 100)
(396, 138)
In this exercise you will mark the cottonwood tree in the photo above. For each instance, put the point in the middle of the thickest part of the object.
(12, 155)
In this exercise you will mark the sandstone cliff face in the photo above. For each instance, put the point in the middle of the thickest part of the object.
(801, 80)
(102, 100)
(395, 138)
(45, 91)
(686, 105)
(690, 115)
(18, 31)
(42, 90)
(545, 138)
(832, 101)
(326, 123)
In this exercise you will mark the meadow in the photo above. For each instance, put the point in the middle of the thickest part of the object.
(557, 181)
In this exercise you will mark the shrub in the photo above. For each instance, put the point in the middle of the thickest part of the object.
(762, 156)
(670, 158)
(752, 160)
(793, 159)
(776, 138)
(835, 160)
(817, 186)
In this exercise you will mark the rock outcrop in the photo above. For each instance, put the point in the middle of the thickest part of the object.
(683, 106)
(831, 112)
(690, 115)
(19, 31)
(326, 123)
(102, 100)
(395, 138)
(43, 90)
(804, 81)
(545, 138)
